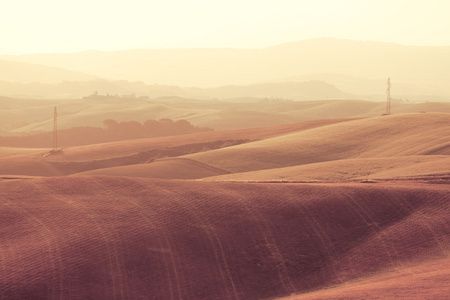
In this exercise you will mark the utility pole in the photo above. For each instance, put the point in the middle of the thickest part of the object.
(388, 94)
(55, 130)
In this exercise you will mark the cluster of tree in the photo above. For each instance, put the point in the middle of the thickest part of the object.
(150, 128)
(113, 131)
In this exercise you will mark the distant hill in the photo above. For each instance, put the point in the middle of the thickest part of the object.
(23, 72)
(23, 116)
(375, 89)
(424, 67)
(305, 90)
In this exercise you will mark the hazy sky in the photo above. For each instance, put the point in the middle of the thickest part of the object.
(30, 26)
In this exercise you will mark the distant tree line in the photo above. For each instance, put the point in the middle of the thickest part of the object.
(112, 131)
(151, 128)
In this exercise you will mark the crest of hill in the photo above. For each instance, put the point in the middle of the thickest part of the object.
(174, 168)
(31, 162)
(9, 151)
(400, 167)
(385, 136)
(91, 237)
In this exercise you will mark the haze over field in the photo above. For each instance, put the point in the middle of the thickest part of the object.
(351, 69)
(224, 150)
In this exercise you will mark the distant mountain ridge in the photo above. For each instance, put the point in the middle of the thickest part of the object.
(419, 70)
(304, 90)
(24, 72)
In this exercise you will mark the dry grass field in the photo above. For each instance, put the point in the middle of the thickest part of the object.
(319, 209)
(388, 147)
(224, 150)
(29, 161)
(426, 281)
(129, 238)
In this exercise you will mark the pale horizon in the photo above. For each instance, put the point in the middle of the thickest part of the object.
(219, 47)
(50, 26)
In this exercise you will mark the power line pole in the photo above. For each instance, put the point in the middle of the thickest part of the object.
(388, 94)
(55, 130)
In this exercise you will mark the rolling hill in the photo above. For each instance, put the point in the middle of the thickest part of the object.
(386, 136)
(384, 168)
(283, 199)
(131, 152)
(371, 222)
(25, 116)
(388, 147)
(376, 148)
(118, 237)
